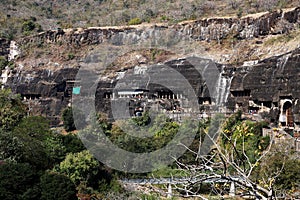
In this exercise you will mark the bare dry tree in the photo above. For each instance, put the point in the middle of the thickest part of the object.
(223, 167)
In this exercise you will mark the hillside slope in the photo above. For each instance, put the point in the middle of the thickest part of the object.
(15, 15)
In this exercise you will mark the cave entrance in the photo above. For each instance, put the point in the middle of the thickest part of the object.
(286, 114)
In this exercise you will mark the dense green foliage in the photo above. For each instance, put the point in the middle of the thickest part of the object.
(56, 186)
(71, 143)
(11, 109)
(18, 181)
(80, 167)
(67, 117)
(289, 179)
(160, 138)
(278, 169)
(30, 151)
(37, 163)
(244, 138)
(3, 63)
(24, 149)
(34, 126)
(135, 21)
(162, 131)
(30, 25)
(280, 166)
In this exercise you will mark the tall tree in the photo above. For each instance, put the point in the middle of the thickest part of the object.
(79, 167)
(18, 181)
(12, 110)
(37, 129)
(56, 186)
(67, 117)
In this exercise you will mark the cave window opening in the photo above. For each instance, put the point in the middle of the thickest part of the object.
(166, 95)
(286, 114)
(107, 95)
(253, 109)
(204, 100)
(242, 93)
(30, 96)
(267, 104)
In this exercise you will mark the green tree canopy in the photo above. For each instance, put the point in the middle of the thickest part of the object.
(18, 181)
(67, 117)
(34, 126)
(12, 110)
(38, 130)
(244, 139)
(56, 186)
(281, 166)
(80, 166)
(72, 143)
(23, 149)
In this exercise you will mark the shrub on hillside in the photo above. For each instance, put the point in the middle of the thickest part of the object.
(135, 21)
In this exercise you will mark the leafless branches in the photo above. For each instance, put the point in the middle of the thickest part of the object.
(221, 167)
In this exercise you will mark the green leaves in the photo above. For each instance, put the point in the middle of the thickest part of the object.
(10, 146)
(3, 63)
(160, 133)
(67, 117)
(280, 167)
(28, 26)
(32, 141)
(79, 167)
(135, 21)
(28, 149)
(243, 140)
(17, 181)
(34, 126)
(12, 110)
(56, 186)
(142, 120)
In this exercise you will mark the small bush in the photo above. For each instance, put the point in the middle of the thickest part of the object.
(28, 26)
(3, 63)
(71, 56)
(164, 18)
(239, 13)
(135, 21)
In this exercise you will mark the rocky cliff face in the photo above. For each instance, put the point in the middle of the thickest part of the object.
(261, 24)
(45, 92)
(277, 22)
(263, 87)
(268, 86)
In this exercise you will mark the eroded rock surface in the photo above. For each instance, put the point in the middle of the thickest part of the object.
(261, 86)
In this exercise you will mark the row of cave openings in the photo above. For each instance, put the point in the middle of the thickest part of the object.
(285, 104)
(285, 118)
(140, 93)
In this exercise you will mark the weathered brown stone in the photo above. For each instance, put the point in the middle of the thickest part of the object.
(265, 82)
